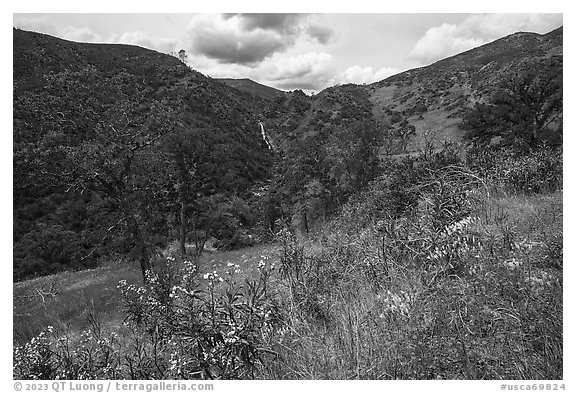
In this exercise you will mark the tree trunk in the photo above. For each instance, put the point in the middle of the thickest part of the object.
(183, 191)
(144, 260)
(305, 217)
(139, 243)
(182, 227)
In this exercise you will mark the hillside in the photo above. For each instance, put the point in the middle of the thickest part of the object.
(253, 88)
(82, 112)
(419, 104)
(436, 96)
(341, 250)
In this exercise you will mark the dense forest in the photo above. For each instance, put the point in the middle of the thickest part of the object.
(403, 252)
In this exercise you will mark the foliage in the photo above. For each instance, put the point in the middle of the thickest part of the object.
(176, 330)
(98, 145)
(524, 112)
(507, 171)
(407, 298)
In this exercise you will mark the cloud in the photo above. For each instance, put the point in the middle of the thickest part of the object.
(281, 23)
(224, 40)
(359, 75)
(312, 71)
(449, 39)
(80, 34)
(37, 24)
(322, 34)
(309, 71)
(44, 25)
(85, 34)
(248, 39)
(161, 44)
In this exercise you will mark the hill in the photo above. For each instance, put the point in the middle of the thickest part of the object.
(85, 117)
(422, 103)
(253, 88)
(436, 96)
(373, 261)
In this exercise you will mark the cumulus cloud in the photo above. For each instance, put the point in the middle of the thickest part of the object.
(86, 34)
(449, 39)
(359, 75)
(309, 71)
(224, 40)
(322, 34)
(281, 23)
(80, 34)
(37, 24)
(312, 71)
(248, 39)
(140, 38)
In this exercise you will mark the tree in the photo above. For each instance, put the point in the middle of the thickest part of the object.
(182, 56)
(115, 156)
(525, 111)
(187, 153)
(321, 170)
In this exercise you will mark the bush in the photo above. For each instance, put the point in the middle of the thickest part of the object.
(506, 170)
(456, 289)
(176, 330)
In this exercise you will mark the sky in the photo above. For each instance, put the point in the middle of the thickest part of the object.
(295, 51)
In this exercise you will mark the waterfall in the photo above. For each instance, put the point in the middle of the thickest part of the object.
(264, 136)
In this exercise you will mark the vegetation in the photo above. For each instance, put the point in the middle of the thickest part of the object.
(525, 111)
(462, 283)
(111, 159)
(371, 262)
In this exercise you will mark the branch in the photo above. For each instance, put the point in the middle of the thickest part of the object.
(147, 143)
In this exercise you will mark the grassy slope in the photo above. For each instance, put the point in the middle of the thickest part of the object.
(451, 85)
(503, 320)
(77, 294)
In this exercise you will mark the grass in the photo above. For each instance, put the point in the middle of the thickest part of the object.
(484, 319)
(65, 300)
(493, 310)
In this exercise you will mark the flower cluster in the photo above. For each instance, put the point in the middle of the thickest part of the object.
(394, 304)
(458, 227)
(177, 328)
(455, 242)
(232, 268)
(263, 263)
(213, 278)
(47, 356)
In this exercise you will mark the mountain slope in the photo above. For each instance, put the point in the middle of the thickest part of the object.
(253, 88)
(435, 97)
(421, 104)
(108, 101)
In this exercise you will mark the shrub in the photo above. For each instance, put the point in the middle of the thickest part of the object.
(175, 330)
(455, 289)
(506, 170)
